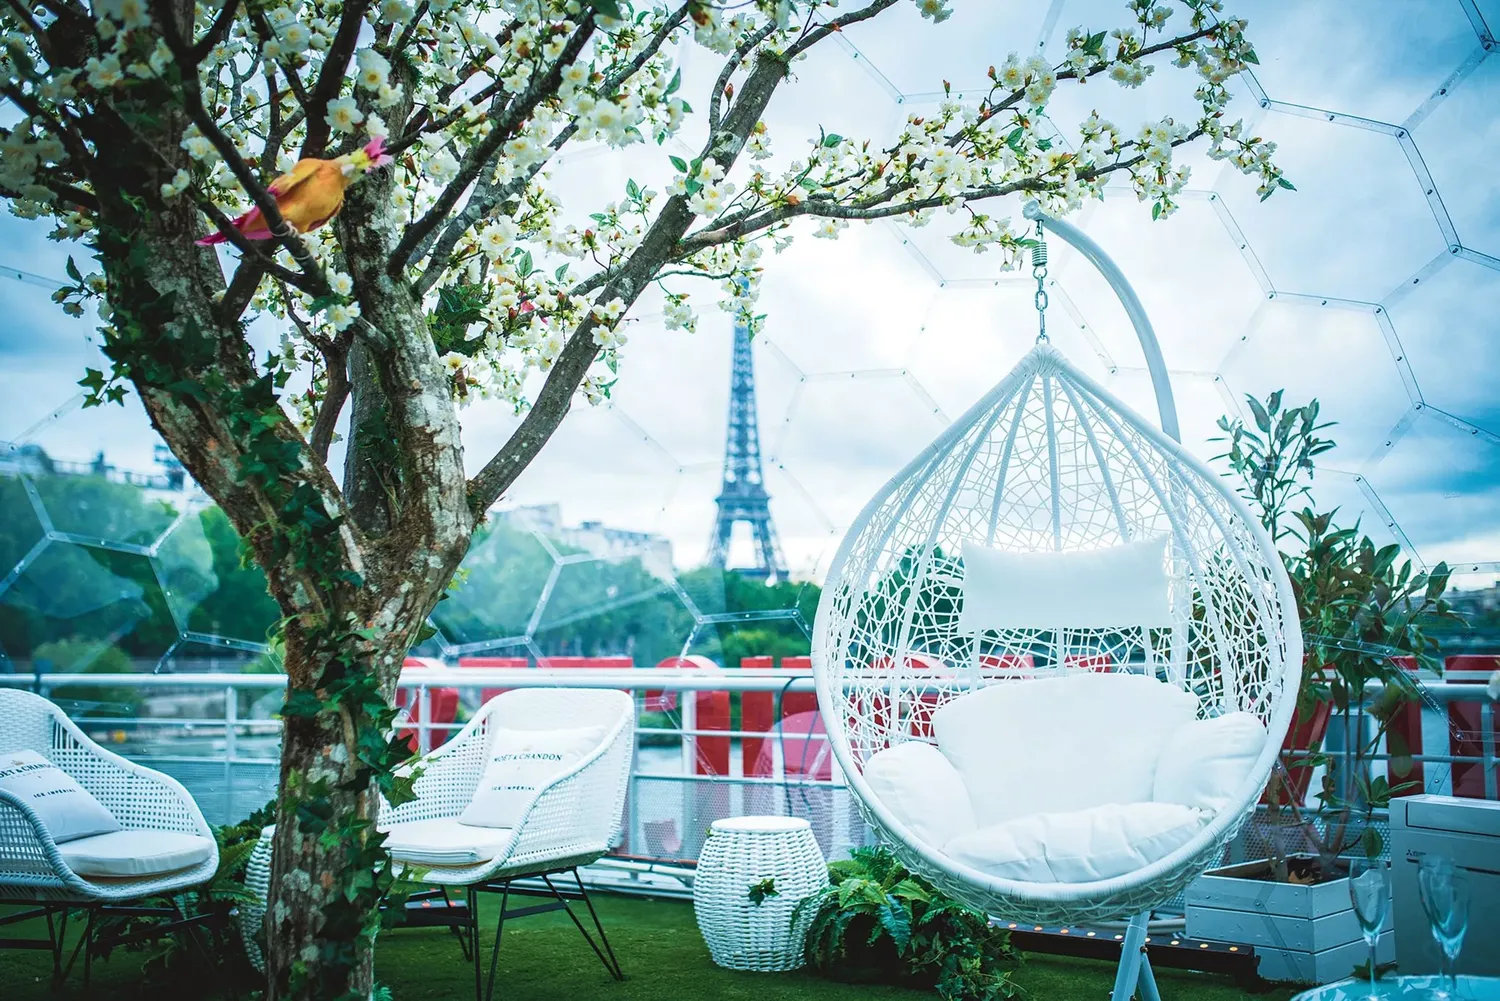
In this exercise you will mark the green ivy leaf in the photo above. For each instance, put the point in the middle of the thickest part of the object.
(301, 703)
(760, 891)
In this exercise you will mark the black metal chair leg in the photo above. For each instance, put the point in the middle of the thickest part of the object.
(618, 973)
(460, 933)
(489, 991)
(88, 950)
(57, 933)
(474, 940)
(612, 968)
(83, 943)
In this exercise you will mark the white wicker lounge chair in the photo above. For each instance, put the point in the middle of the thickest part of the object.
(1053, 528)
(35, 869)
(571, 821)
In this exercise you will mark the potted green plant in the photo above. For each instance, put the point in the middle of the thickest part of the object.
(1362, 609)
(878, 923)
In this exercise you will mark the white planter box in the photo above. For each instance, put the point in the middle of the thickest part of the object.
(1302, 934)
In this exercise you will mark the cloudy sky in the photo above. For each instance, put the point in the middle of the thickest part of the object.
(1375, 288)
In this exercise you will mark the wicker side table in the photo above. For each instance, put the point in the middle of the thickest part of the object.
(775, 859)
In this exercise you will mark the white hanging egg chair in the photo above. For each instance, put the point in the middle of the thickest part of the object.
(1055, 655)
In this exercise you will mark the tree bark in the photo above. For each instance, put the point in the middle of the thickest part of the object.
(303, 867)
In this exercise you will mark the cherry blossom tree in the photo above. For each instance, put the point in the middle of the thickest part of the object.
(456, 272)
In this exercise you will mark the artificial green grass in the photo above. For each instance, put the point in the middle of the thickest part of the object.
(543, 958)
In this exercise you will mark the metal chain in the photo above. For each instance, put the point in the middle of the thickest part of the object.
(1039, 272)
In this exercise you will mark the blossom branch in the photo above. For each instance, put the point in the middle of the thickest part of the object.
(312, 278)
(827, 28)
(217, 32)
(481, 155)
(625, 284)
(331, 75)
(486, 195)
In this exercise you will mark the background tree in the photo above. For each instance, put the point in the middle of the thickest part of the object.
(458, 271)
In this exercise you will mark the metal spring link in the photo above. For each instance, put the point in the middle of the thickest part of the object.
(1039, 272)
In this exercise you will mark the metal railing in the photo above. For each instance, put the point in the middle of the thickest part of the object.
(217, 733)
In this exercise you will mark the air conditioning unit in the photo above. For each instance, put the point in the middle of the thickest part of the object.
(1468, 832)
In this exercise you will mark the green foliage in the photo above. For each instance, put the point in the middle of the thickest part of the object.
(618, 606)
(1275, 460)
(218, 937)
(760, 891)
(878, 923)
(1363, 612)
(759, 619)
(459, 305)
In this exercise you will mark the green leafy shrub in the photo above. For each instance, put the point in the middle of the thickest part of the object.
(878, 923)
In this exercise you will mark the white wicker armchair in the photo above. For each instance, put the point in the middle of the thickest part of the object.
(572, 821)
(31, 867)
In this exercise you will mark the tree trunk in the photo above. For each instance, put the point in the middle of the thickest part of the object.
(304, 866)
(322, 943)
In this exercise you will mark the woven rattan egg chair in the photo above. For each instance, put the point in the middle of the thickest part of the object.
(1050, 468)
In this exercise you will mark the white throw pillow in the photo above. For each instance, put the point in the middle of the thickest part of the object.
(922, 790)
(1081, 846)
(1124, 585)
(1204, 762)
(521, 763)
(1060, 744)
(67, 809)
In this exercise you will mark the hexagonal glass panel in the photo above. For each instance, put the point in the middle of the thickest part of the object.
(1441, 484)
(93, 504)
(1456, 135)
(85, 610)
(1444, 324)
(210, 592)
(499, 586)
(1358, 224)
(618, 607)
(1338, 356)
(1426, 42)
(19, 528)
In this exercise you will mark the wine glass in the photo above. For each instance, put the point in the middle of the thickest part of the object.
(1370, 892)
(1445, 899)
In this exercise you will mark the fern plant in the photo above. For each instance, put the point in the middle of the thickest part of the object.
(217, 939)
(878, 923)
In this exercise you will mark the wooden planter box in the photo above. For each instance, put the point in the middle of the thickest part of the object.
(1302, 934)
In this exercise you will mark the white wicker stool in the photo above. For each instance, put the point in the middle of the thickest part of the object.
(774, 858)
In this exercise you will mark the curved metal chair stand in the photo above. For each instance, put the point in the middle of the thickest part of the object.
(1049, 460)
(32, 870)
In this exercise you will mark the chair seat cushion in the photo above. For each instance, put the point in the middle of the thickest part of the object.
(1080, 846)
(135, 853)
(1060, 744)
(65, 808)
(446, 841)
(922, 790)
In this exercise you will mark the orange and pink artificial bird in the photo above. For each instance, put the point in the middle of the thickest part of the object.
(311, 194)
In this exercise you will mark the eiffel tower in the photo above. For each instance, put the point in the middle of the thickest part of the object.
(743, 496)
